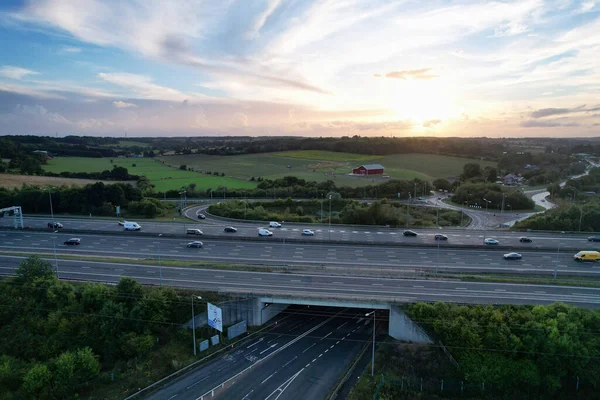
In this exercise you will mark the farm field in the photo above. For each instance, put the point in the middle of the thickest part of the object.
(163, 177)
(13, 180)
(313, 165)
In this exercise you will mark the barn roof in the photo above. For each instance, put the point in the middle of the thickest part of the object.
(372, 166)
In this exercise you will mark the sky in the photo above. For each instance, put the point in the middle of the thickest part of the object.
(525, 68)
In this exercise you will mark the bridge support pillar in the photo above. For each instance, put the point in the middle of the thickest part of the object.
(403, 328)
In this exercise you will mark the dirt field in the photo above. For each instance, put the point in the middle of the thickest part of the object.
(11, 181)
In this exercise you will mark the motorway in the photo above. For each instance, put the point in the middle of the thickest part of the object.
(342, 234)
(378, 259)
(316, 285)
(301, 357)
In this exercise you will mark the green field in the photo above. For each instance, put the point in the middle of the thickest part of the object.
(313, 165)
(163, 177)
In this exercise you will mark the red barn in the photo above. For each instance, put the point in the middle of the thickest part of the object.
(369, 169)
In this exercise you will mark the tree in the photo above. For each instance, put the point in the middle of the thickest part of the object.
(31, 165)
(183, 167)
(37, 381)
(442, 184)
(33, 268)
(119, 173)
(471, 170)
(490, 174)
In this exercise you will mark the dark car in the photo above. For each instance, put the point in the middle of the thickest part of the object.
(439, 236)
(55, 225)
(594, 239)
(201, 216)
(73, 241)
(525, 240)
(230, 229)
(196, 243)
(409, 233)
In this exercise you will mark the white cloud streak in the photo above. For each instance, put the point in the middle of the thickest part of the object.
(16, 73)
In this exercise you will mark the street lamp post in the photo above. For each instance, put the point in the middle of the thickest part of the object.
(373, 350)
(329, 217)
(487, 202)
(159, 266)
(321, 211)
(55, 259)
(407, 210)
(194, 323)
(51, 208)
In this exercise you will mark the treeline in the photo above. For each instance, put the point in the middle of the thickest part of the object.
(96, 199)
(20, 146)
(62, 340)
(116, 174)
(291, 186)
(541, 168)
(343, 211)
(525, 352)
(476, 194)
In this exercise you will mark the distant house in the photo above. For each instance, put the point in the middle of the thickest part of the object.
(511, 179)
(369, 169)
(43, 153)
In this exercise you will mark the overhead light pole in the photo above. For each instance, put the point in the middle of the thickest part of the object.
(159, 266)
(194, 322)
(330, 218)
(487, 202)
(373, 350)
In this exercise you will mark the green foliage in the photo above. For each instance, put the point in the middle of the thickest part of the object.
(33, 269)
(475, 193)
(59, 339)
(471, 170)
(517, 349)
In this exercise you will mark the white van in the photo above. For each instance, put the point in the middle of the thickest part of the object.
(274, 224)
(264, 232)
(131, 226)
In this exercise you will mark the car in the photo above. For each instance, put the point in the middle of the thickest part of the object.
(196, 243)
(594, 239)
(524, 239)
(308, 232)
(73, 242)
(201, 216)
(439, 236)
(274, 224)
(491, 241)
(543, 201)
(421, 198)
(55, 225)
(264, 232)
(409, 233)
(193, 231)
(512, 256)
(230, 229)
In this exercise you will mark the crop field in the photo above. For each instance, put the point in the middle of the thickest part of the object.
(162, 176)
(13, 180)
(323, 165)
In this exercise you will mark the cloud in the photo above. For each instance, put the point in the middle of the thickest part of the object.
(70, 49)
(40, 112)
(410, 74)
(142, 86)
(16, 73)
(261, 18)
(431, 122)
(241, 119)
(530, 123)
(547, 112)
(122, 104)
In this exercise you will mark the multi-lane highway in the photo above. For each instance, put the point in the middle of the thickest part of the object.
(377, 259)
(323, 234)
(322, 285)
(299, 358)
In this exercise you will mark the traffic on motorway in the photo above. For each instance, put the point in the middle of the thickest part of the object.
(322, 233)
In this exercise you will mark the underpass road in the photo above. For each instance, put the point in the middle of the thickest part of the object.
(349, 234)
(485, 259)
(321, 285)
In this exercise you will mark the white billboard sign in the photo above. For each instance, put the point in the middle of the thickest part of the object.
(215, 318)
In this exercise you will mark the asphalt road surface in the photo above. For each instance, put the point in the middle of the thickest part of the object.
(348, 288)
(322, 234)
(380, 258)
(301, 357)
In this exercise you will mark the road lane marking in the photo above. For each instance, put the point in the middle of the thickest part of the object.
(254, 344)
(377, 284)
(461, 288)
(195, 383)
(420, 287)
(269, 377)
(342, 325)
(499, 290)
(309, 347)
(540, 292)
(326, 335)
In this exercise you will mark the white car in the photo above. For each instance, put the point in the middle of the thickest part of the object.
(308, 232)
(264, 232)
(274, 224)
(491, 241)
(512, 256)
